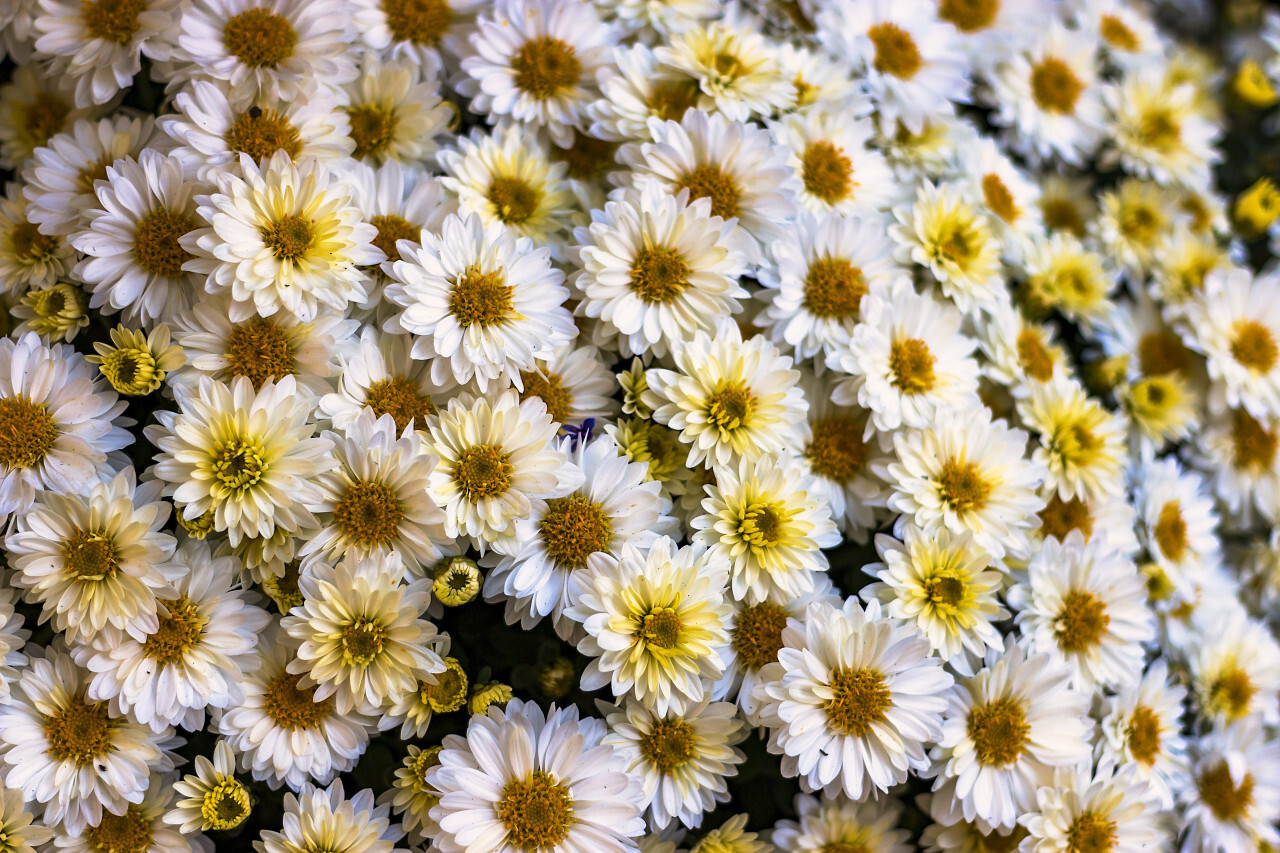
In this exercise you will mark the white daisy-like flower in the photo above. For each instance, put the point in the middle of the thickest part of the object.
(483, 303)
(1020, 352)
(141, 828)
(56, 422)
(100, 45)
(614, 505)
(1080, 443)
(425, 32)
(657, 267)
(851, 700)
(1178, 523)
(1238, 453)
(59, 178)
(319, 817)
(1235, 323)
(249, 456)
(815, 286)
(914, 70)
(682, 760)
(379, 373)
(1085, 604)
(276, 49)
(907, 360)
(945, 584)
(72, 754)
(395, 112)
(656, 624)
(735, 165)
(211, 134)
(830, 823)
(1005, 731)
(989, 32)
(1010, 196)
(34, 105)
(736, 68)
(21, 832)
(819, 80)
(442, 693)
(377, 499)
(132, 240)
(635, 88)
(766, 518)
(94, 559)
(29, 259)
(1135, 218)
(575, 384)
(281, 732)
(1082, 808)
(1126, 33)
(1063, 275)
(1141, 730)
(282, 238)
(536, 61)
(1235, 669)
(496, 458)
(1158, 131)
(214, 797)
(1234, 800)
(840, 173)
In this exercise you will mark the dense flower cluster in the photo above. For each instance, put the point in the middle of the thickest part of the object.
(622, 426)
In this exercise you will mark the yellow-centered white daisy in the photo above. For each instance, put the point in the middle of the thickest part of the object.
(1080, 443)
(736, 68)
(829, 823)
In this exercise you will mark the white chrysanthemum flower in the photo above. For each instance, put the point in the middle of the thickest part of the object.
(1126, 33)
(1063, 275)
(34, 105)
(95, 559)
(656, 268)
(29, 260)
(907, 359)
(1085, 604)
(1178, 523)
(735, 65)
(100, 45)
(282, 238)
(379, 373)
(395, 112)
(636, 88)
(483, 303)
(1080, 443)
(496, 458)
(424, 32)
(18, 826)
(277, 50)
(1048, 95)
(73, 754)
(735, 165)
(1234, 800)
(522, 779)
(59, 178)
(656, 624)
(411, 798)
(214, 797)
(575, 384)
(1005, 731)
(1235, 669)
(141, 828)
(316, 818)
(989, 32)
(281, 732)
(362, 637)
(536, 61)
(613, 506)
(441, 693)
(509, 177)
(1158, 131)
(1141, 730)
(852, 700)
(1110, 515)
(682, 760)
(132, 240)
(768, 521)
(1005, 191)
(815, 287)
(1020, 353)
(945, 584)
(914, 69)
(836, 823)
(196, 655)
(1235, 322)
(1238, 453)
(830, 153)
(1081, 809)
(56, 427)
(211, 134)
(248, 456)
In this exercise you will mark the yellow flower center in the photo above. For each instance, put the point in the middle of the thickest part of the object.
(284, 589)
(1059, 517)
(373, 128)
(588, 157)
(760, 524)
(536, 811)
(483, 471)
(95, 171)
(1225, 799)
(225, 806)
(999, 731)
(1254, 346)
(155, 242)
(1062, 214)
(29, 245)
(573, 528)
(659, 628)
(896, 51)
(369, 514)
(400, 398)
(290, 237)
(670, 100)
(1140, 222)
(545, 67)
(1091, 833)
(131, 372)
(259, 38)
(998, 198)
(1034, 355)
(1231, 693)
(418, 21)
(292, 707)
(1158, 129)
(261, 133)
(730, 406)
(391, 230)
(969, 16)
(1170, 531)
(419, 765)
(126, 833)
(837, 450)
(449, 691)
(1055, 87)
(260, 350)
(90, 556)
(833, 289)
(659, 275)
(911, 364)
(668, 745)
(1074, 440)
(1081, 621)
(827, 172)
(1117, 34)
(552, 391)
(362, 640)
(482, 298)
(239, 464)
(860, 698)
(514, 200)
(1162, 352)
(958, 239)
(80, 732)
(42, 118)
(945, 592)
(112, 20)
(1143, 735)
(962, 486)
(27, 432)
(197, 528)
(1254, 444)
(844, 847)
(710, 182)
(57, 309)
(179, 631)
(758, 634)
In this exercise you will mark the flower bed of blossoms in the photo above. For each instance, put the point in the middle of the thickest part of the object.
(552, 426)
